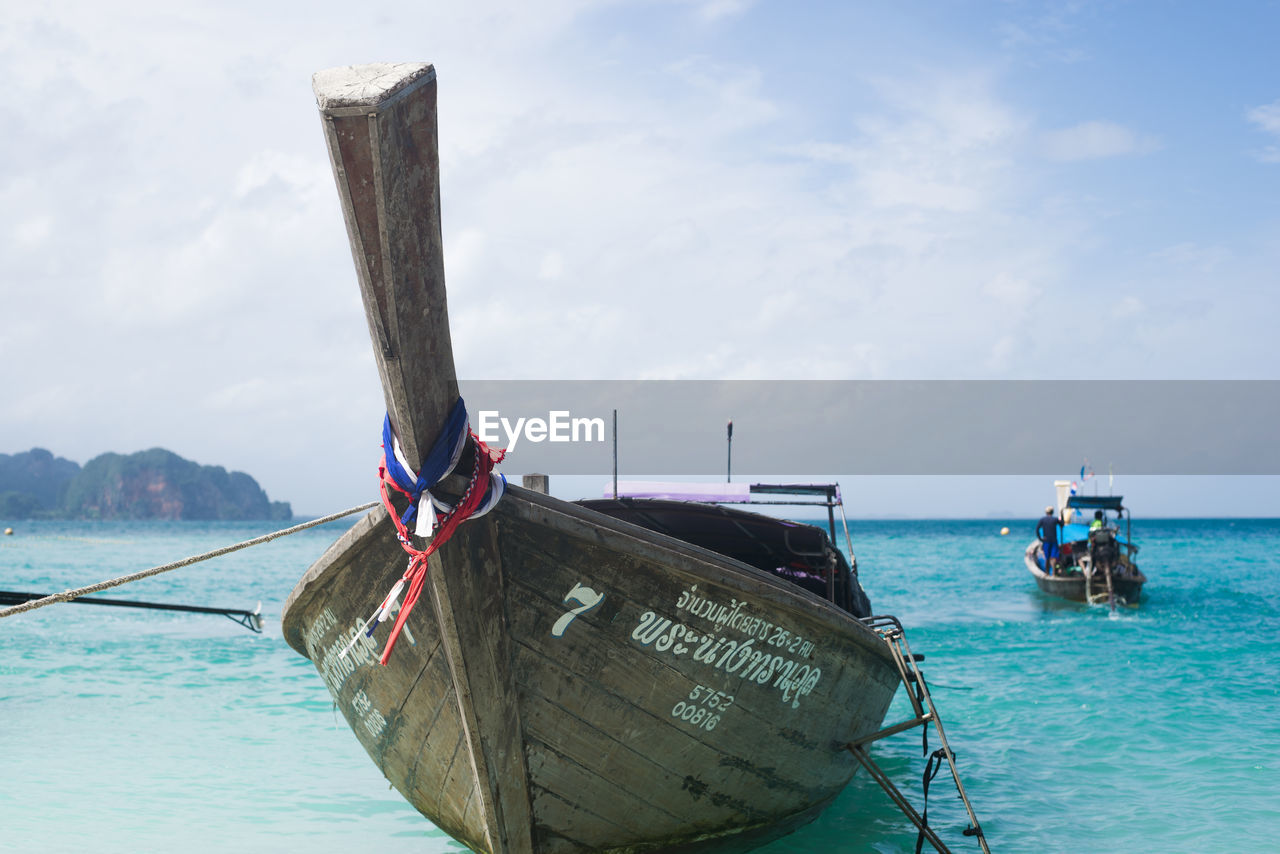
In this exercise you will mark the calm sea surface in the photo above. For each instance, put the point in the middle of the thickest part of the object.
(1155, 729)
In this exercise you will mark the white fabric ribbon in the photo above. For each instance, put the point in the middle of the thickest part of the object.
(426, 519)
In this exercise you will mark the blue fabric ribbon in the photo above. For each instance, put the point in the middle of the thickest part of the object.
(434, 467)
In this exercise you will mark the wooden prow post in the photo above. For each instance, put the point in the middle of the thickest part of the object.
(380, 125)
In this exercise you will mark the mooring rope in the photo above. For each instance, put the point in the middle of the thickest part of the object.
(68, 595)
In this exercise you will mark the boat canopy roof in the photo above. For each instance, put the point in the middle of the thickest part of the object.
(1095, 502)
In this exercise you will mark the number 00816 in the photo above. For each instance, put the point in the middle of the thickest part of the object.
(695, 714)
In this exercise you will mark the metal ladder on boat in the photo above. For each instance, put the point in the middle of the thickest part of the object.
(892, 633)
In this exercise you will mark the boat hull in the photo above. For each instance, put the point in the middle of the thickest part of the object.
(568, 681)
(576, 684)
(1077, 587)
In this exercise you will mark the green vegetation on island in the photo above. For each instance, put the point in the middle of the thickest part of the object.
(154, 484)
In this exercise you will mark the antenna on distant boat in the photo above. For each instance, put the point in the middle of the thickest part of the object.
(728, 470)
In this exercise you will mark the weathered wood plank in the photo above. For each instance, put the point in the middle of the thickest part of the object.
(467, 590)
(784, 758)
(610, 758)
(613, 816)
(689, 766)
(406, 714)
(629, 575)
(383, 144)
(560, 818)
(432, 702)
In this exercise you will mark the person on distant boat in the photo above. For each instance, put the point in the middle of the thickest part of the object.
(1097, 521)
(1047, 532)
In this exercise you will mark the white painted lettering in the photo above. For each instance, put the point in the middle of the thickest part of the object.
(792, 679)
(586, 599)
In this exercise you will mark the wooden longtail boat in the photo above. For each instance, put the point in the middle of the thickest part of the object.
(1094, 565)
(570, 681)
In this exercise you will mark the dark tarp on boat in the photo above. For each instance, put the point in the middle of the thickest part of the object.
(802, 554)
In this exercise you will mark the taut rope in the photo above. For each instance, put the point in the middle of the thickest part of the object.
(68, 595)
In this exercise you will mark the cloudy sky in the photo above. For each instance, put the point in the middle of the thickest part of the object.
(666, 189)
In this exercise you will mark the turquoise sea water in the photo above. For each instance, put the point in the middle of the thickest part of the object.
(1078, 730)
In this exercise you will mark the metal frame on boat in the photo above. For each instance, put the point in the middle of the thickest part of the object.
(708, 515)
(572, 681)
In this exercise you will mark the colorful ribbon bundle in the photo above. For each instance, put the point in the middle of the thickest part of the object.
(429, 515)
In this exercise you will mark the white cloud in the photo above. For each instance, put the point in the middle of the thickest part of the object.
(1128, 306)
(1093, 140)
(711, 11)
(1267, 117)
(290, 174)
(704, 214)
(939, 142)
(245, 397)
(1193, 256)
(464, 252)
(551, 266)
(1011, 290)
(1001, 353)
(34, 231)
(731, 95)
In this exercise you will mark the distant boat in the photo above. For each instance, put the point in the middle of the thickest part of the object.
(606, 676)
(1096, 564)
